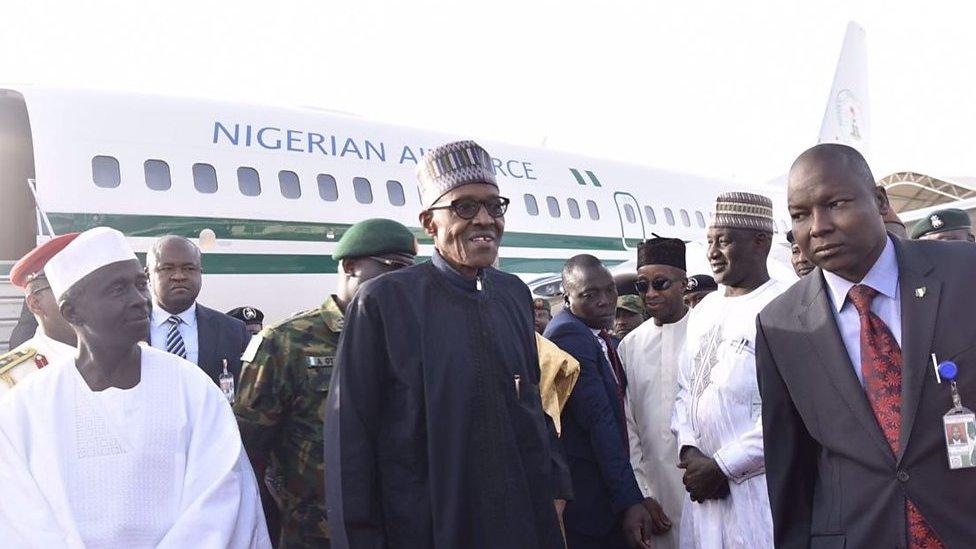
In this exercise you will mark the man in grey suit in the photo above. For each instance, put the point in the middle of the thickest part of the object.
(180, 325)
(855, 446)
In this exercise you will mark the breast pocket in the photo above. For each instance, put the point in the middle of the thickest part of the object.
(738, 365)
(318, 370)
(834, 541)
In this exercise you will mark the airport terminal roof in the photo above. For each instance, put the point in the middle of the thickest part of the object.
(909, 191)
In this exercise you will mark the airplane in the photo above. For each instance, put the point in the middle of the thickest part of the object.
(267, 192)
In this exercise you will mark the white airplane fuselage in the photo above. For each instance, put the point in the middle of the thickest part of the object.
(278, 187)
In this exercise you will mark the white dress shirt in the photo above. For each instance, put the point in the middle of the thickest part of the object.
(883, 277)
(159, 329)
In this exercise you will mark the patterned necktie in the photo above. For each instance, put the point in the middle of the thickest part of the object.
(618, 372)
(174, 341)
(881, 365)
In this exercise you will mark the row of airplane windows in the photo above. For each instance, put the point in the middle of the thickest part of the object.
(106, 173)
(552, 204)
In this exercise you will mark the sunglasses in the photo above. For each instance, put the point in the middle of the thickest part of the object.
(468, 208)
(658, 284)
(391, 262)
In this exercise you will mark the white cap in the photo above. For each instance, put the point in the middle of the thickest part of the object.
(92, 250)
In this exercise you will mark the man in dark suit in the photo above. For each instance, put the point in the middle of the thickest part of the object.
(608, 508)
(852, 410)
(180, 325)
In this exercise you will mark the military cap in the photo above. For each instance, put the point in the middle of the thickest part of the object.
(631, 303)
(949, 219)
(539, 303)
(376, 237)
(31, 266)
(450, 166)
(700, 283)
(247, 314)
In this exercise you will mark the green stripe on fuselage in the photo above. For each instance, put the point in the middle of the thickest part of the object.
(257, 229)
(292, 264)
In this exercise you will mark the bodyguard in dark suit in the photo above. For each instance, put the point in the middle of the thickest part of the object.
(607, 510)
(852, 411)
(180, 325)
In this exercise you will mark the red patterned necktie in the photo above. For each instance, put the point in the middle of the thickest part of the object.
(881, 365)
(618, 372)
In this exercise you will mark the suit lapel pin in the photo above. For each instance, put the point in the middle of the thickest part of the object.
(920, 292)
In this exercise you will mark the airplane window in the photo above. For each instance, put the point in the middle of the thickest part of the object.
(649, 212)
(629, 213)
(685, 220)
(289, 185)
(531, 205)
(700, 218)
(105, 172)
(363, 190)
(593, 210)
(157, 175)
(669, 216)
(327, 187)
(394, 190)
(574, 210)
(553, 205)
(204, 178)
(248, 181)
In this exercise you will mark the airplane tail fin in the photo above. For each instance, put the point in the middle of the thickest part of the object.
(847, 119)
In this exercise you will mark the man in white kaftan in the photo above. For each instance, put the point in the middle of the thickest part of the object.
(650, 357)
(717, 416)
(155, 463)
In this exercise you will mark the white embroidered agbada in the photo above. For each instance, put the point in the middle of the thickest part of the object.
(650, 358)
(158, 465)
(718, 410)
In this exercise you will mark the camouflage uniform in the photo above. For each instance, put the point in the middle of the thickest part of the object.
(280, 406)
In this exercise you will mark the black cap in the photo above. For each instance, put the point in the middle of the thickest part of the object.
(662, 251)
(247, 314)
(700, 283)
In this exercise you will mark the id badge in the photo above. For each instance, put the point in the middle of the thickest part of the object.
(960, 436)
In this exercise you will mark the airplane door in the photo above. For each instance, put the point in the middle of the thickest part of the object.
(631, 222)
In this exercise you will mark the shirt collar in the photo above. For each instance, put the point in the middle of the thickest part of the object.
(452, 275)
(53, 343)
(332, 315)
(883, 277)
(160, 316)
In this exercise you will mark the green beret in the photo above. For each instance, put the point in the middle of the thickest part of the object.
(631, 303)
(949, 219)
(375, 237)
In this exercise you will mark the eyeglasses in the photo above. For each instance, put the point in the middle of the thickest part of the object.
(658, 284)
(468, 208)
(391, 262)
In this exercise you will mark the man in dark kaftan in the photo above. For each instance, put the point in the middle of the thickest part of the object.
(434, 430)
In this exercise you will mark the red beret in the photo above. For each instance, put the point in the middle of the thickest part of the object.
(32, 264)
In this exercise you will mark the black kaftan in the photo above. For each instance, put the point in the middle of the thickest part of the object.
(435, 434)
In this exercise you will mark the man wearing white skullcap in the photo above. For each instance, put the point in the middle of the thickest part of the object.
(716, 417)
(125, 445)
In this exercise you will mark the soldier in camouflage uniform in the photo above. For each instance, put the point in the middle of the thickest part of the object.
(54, 337)
(629, 315)
(285, 380)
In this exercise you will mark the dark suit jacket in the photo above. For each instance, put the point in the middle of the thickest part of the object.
(599, 461)
(220, 336)
(831, 475)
